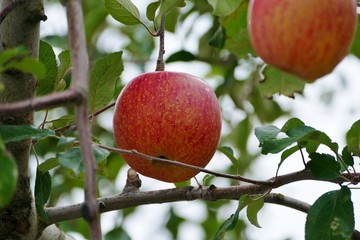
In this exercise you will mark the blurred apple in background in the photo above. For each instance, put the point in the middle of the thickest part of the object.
(307, 38)
(169, 115)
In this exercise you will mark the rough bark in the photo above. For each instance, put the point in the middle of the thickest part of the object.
(20, 28)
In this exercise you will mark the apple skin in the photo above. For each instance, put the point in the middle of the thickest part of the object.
(306, 38)
(169, 115)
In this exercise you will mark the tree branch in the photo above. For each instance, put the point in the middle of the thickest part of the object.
(273, 182)
(38, 103)
(211, 193)
(79, 83)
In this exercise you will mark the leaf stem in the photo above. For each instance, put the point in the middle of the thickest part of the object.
(302, 154)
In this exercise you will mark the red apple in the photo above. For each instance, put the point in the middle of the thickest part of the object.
(168, 115)
(307, 38)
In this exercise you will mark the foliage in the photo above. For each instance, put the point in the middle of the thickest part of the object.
(223, 49)
(331, 216)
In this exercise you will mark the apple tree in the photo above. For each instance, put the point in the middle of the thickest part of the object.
(61, 171)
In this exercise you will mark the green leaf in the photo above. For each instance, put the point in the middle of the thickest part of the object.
(323, 166)
(237, 35)
(269, 142)
(331, 217)
(14, 133)
(165, 7)
(10, 53)
(228, 225)
(218, 39)
(299, 132)
(291, 123)
(57, 41)
(355, 48)
(353, 138)
(207, 179)
(117, 233)
(65, 142)
(17, 59)
(347, 157)
(114, 162)
(63, 121)
(8, 176)
(241, 133)
(141, 43)
(244, 200)
(151, 10)
(123, 11)
(307, 137)
(182, 184)
(227, 151)
(277, 145)
(72, 158)
(276, 81)
(172, 20)
(103, 77)
(288, 152)
(266, 133)
(173, 223)
(64, 67)
(48, 58)
(48, 165)
(93, 20)
(253, 209)
(232, 221)
(182, 55)
(27, 65)
(266, 110)
(315, 138)
(224, 8)
(42, 192)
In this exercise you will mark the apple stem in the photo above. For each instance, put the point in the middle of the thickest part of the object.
(160, 66)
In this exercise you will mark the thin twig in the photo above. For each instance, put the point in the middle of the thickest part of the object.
(38, 103)
(94, 114)
(11, 6)
(180, 164)
(274, 182)
(45, 117)
(302, 155)
(200, 169)
(70, 125)
(80, 73)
